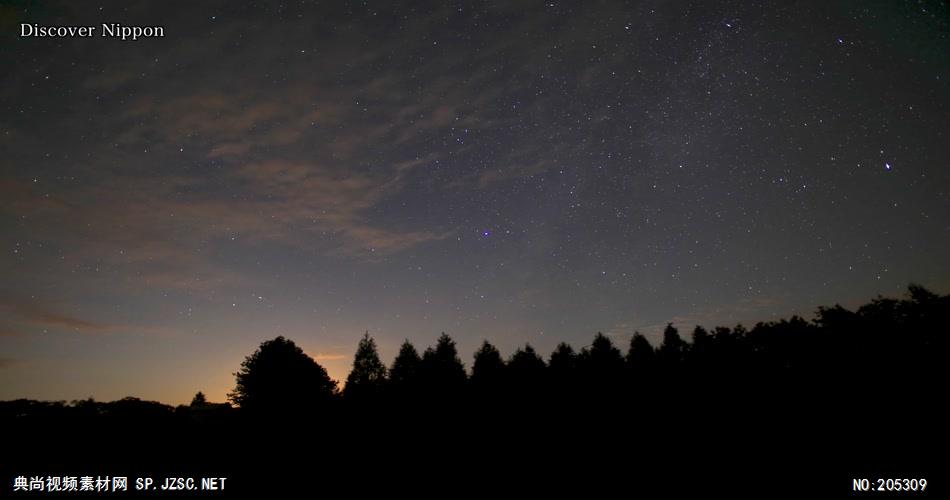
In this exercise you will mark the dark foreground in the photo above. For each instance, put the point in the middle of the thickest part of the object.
(852, 404)
(804, 440)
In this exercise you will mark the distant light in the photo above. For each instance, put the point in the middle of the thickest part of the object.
(887, 166)
(486, 233)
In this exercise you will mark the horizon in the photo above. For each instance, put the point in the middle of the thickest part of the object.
(338, 366)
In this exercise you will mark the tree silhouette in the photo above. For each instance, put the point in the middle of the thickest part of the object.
(488, 368)
(724, 352)
(526, 375)
(404, 374)
(562, 373)
(442, 372)
(405, 367)
(368, 376)
(778, 382)
(673, 349)
(602, 360)
(199, 399)
(641, 358)
(699, 352)
(563, 361)
(280, 378)
(525, 366)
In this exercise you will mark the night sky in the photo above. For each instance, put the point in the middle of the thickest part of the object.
(518, 172)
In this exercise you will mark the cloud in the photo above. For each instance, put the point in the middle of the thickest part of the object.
(110, 79)
(314, 150)
(315, 199)
(30, 315)
(23, 316)
(161, 231)
(230, 149)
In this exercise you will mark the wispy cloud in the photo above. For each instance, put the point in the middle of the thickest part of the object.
(242, 149)
(22, 315)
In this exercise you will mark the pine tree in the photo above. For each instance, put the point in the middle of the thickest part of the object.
(368, 376)
(563, 361)
(673, 349)
(641, 358)
(488, 368)
(405, 369)
(199, 399)
(442, 371)
(526, 366)
(602, 360)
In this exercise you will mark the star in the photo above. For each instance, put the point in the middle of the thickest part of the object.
(354, 177)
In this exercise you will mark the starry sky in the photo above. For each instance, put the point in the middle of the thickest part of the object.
(512, 171)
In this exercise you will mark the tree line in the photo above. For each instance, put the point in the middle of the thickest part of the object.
(846, 392)
(884, 343)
